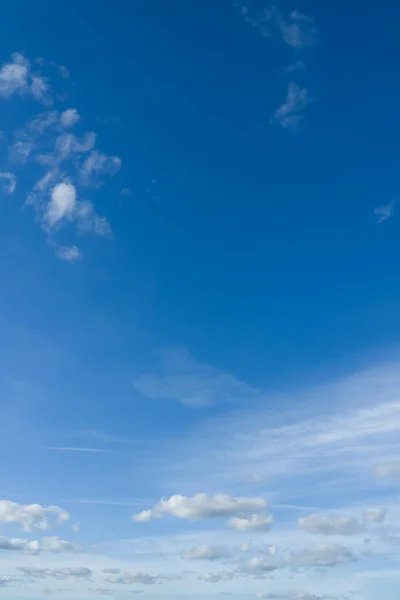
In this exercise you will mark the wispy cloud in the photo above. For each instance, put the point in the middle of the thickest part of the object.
(10, 179)
(296, 29)
(193, 383)
(289, 114)
(384, 212)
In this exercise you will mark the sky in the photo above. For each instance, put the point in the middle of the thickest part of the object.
(200, 366)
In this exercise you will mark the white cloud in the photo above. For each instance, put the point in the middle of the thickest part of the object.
(323, 555)
(62, 204)
(261, 565)
(203, 552)
(69, 117)
(20, 151)
(298, 31)
(288, 114)
(20, 545)
(55, 544)
(88, 221)
(374, 515)
(14, 75)
(97, 164)
(330, 525)
(40, 89)
(192, 382)
(252, 523)
(384, 212)
(10, 179)
(70, 254)
(389, 470)
(201, 506)
(31, 516)
(68, 144)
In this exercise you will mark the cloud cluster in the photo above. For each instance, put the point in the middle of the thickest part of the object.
(31, 516)
(17, 77)
(201, 506)
(47, 544)
(298, 31)
(67, 162)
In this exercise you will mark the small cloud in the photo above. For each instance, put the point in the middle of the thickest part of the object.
(125, 192)
(98, 164)
(288, 114)
(384, 212)
(62, 204)
(252, 523)
(70, 254)
(69, 117)
(16, 77)
(298, 31)
(11, 181)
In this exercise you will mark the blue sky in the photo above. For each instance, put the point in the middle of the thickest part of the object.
(199, 372)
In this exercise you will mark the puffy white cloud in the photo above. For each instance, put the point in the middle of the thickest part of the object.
(60, 574)
(97, 164)
(62, 204)
(70, 254)
(69, 117)
(323, 555)
(201, 506)
(252, 523)
(191, 382)
(21, 545)
(31, 516)
(55, 544)
(10, 179)
(261, 565)
(288, 114)
(330, 525)
(390, 470)
(374, 515)
(203, 552)
(14, 75)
